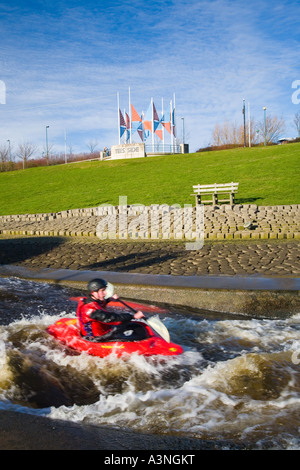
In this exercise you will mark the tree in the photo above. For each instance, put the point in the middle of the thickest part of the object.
(48, 151)
(70, 149)
(25, 151)
(225, 134)
(4, 157)
(273, 128)
(92, 144)
(232, 134)
(297, 123)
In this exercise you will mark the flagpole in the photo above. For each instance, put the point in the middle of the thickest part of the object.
(124, 115)
(163, 127)
(129, 117)
(65, 146)
(118, 99)
(171, 122)
(249, 124)
(174, 123)
(152, 125)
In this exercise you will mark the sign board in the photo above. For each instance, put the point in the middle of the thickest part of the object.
(127, 151)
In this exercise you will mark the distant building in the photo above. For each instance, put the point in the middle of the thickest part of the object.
(284, 140)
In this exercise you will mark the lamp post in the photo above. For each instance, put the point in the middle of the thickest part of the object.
(183, 130)
(9, 150)
(265, 124)
(65, 146)
(47, 150)
(244, 114)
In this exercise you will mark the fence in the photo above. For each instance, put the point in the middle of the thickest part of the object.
(162, 148)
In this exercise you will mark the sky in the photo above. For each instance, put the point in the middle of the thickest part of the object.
(62, 64)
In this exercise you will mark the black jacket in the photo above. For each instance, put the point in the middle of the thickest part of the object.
(107, 317)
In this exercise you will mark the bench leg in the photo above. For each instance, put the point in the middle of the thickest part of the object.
(232, 199)
(215, 199)
(198, 199)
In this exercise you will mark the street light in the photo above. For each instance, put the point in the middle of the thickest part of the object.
(244, 113)
(265, 124)
(47, 150)
(183, 130)
(9, 150)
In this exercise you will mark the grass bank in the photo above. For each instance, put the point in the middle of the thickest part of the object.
(267, 176)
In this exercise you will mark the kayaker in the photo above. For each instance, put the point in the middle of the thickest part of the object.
(98, 324)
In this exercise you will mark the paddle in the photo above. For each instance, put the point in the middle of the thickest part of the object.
(153, 322)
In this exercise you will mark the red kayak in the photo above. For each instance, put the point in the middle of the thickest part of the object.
(67, 331)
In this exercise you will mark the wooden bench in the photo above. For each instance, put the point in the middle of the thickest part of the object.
(215, 190)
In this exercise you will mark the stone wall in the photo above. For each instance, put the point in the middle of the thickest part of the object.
(222, 222)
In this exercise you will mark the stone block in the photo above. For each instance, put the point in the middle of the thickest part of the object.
(255, 235)
(264, 235)
(246, 235)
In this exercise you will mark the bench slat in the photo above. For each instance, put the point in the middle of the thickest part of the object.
(209, 191)
(216, 186)
(214, 190)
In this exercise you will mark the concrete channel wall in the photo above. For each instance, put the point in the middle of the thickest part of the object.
(252, 296)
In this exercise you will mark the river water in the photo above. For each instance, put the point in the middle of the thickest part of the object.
(237, 381)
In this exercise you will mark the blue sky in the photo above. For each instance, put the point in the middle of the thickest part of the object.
(63, 63)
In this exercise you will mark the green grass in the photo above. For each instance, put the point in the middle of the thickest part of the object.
(267, 176)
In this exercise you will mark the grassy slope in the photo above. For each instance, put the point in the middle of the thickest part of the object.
(267, 176)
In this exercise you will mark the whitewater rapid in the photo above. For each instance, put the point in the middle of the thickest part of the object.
(238, 379)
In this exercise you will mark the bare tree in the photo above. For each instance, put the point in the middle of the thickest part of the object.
(232, 134)
(70, 149)
(297, 123)
(272, 129)
(224, 134)
(48, 151)
(4, 157)
(92, 144)
(25, 151)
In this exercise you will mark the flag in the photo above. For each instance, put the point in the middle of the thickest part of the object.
(166, 123)
(127, 121)
(155, 119)
(159, 129)
(140, 131)
(151, 119)
(148, 119)
(173, 122)
(127, 127)
(159, 133)
(136, 123)
(134, 115)
(122, 123)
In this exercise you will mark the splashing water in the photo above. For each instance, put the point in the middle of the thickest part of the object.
(237, 379)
